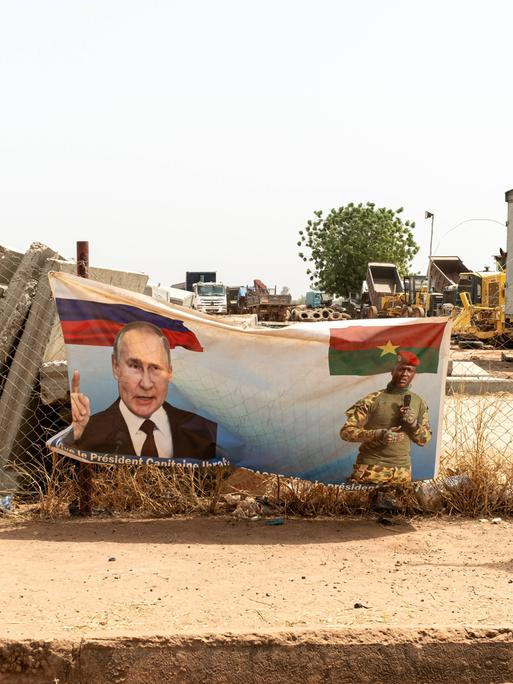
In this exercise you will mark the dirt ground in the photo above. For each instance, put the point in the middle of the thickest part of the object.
(106, 577)
(223, 600)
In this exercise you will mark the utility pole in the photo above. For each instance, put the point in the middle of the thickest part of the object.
(508, 309)
(430, 215)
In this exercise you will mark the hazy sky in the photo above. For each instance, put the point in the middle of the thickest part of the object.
(193, 135)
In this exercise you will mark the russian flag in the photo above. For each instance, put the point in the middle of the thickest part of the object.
(97, 323)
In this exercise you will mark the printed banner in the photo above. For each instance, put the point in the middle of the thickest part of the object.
(356, 403)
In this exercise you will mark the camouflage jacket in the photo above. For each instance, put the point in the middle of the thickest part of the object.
(370, 418)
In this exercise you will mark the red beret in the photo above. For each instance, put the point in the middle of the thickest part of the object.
(408, 358)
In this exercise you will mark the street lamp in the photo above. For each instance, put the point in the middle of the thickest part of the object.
(427, 215)
(430, 215)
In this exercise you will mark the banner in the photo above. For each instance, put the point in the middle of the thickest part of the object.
(357, 403)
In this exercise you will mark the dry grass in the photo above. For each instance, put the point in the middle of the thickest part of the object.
(480, 453)
(308, 499)
(123, 489)
(476, 479)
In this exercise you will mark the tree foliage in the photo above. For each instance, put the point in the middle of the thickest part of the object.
(343, 243)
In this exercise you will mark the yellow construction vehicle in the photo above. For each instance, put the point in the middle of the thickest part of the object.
(418, 301)
(482, 315)
(388, 296)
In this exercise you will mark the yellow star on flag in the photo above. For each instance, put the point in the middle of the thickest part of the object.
(388, 348)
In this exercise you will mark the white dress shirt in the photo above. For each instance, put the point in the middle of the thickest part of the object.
(161, 433)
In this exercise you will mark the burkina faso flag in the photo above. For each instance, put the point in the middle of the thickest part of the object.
(372, 349)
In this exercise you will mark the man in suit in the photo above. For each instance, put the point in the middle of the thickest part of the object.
(140, 422)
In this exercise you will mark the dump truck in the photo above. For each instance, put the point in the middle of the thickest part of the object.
(384, 292)
(265, 303)
(385, 295)
(444, 272)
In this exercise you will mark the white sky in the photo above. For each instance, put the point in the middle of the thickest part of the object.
(193, 135)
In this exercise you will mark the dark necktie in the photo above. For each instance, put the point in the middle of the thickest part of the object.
(149, 448)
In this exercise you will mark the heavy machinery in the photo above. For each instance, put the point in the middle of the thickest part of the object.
(265, 303)
(209, 297)
(444, 272)
(234, 295)
(351, 305)
(387, 296)
(384, 291)
(418, 301)
(487, 312)
(193, 277)
(482, 315)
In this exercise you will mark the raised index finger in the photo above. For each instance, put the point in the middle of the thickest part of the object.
(75, 382)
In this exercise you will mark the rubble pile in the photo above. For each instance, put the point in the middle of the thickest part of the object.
(34, 390)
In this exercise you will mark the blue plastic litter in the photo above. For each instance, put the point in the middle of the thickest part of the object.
(6, 502)
(274, 521)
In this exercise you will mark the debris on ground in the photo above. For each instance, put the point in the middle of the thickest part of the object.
(248, 509)
(274, 521)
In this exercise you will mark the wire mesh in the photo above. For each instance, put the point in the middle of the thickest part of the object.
(34, 393)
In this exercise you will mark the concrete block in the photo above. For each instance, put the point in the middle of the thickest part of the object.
(9, 263)
(53, 381)
(483, 385)
(23, 372)
(15, 305)
(467, 369)
(128, 280)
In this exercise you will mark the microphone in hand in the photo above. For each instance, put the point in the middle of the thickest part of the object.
(408, 416)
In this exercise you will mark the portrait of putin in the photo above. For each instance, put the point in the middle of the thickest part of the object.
(140, 422)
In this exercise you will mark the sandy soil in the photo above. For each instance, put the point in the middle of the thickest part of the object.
(107, 577)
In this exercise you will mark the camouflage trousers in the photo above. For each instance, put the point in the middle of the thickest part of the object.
(379, 474)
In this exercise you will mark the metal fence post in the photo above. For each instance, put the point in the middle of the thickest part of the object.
(85, 469)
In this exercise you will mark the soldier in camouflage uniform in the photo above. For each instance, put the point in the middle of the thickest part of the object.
(386, 424)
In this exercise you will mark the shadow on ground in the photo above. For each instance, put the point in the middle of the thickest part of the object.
(203, 531)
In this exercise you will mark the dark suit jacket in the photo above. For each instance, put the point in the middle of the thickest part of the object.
(107, 432)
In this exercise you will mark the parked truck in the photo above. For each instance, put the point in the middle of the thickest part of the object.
(385, 295)
(193, 277)
(385, 291)
(265, 303)
(236, 299)
(208, 295)
(444, 272)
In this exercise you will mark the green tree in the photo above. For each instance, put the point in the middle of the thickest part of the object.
(343, 243)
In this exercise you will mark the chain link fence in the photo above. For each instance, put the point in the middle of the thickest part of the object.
(34, 393)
